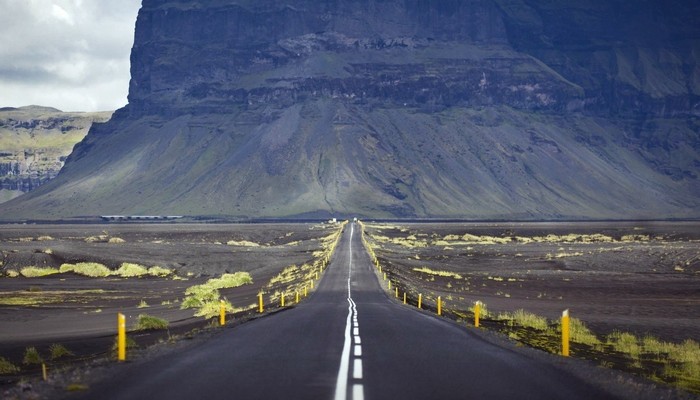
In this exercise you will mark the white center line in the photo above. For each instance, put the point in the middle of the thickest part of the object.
(357, 369)
(358, 350)
(341, 386)
(358, 392)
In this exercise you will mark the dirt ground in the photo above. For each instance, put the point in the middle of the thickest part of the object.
(640, 277)
(80, 312)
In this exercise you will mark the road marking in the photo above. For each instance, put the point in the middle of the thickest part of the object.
(357, 369)
(341, 384)
(358, 392)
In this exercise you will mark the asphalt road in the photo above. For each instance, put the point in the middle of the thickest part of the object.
(347, 341)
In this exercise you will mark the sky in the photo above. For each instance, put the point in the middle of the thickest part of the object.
(69, 54)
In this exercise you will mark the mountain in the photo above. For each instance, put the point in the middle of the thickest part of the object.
(34, 143)
(503, 109)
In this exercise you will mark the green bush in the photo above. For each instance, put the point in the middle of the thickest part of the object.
(7, 367)
(159, 271)
(90, 269)
(231, 280)
(37, 272)
(148, 322)
(212, 309)
(198, 295)
(130, 270)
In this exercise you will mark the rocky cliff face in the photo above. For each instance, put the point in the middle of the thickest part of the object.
(34, 144)
(399, 108)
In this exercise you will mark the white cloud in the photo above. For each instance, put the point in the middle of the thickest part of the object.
(68, 54)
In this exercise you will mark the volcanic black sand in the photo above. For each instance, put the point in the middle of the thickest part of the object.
(80, 312)
(638, 277)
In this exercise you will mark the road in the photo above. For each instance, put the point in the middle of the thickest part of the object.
(347, 341)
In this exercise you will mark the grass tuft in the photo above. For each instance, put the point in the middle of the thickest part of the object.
(7, 367)
(58, 350)
(32, 356)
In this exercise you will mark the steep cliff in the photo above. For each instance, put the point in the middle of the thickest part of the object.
(34, 143)
(398, 108)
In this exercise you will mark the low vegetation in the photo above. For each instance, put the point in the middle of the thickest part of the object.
(674, 363)
(59, 351)
(429, 271)
(206, 297)
(32, 356)
(147, 322)
(130, 270)
(7, 367)
(90, 269)
(37, 272)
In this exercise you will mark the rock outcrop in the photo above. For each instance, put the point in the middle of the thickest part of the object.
(508, 109)
(34, 144)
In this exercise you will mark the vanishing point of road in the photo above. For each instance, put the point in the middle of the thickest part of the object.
(347, 341)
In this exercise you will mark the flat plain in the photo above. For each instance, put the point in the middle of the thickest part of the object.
(632, 287)
(63, 306)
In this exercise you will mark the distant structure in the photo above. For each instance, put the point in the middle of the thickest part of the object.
(140, 217)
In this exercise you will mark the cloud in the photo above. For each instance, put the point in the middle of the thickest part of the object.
(68, 54)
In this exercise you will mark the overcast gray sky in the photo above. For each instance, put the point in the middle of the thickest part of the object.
(68, 54)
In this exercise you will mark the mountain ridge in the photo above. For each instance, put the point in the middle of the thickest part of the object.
(414, 109)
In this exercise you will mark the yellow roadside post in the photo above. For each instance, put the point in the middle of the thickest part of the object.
(306, 291)
(404, 297)
(396, 290)
(282, 300)
(477, 311)
(420, 300)
(312, 284)
(385, 276)
(222, 313)
(296, 297)
(565, 326)
(121, 339)
(261, 307)
(389, 285)
(43, 372)
(439, 306)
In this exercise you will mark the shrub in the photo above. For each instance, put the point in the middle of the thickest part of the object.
(159, 271)
(198, 295)
(91, 269)
(36, 272)
(11, 273)
(32, 356)
(212, 309)
(143, 304)
(230, 280)
(148, 322)
(7, 367)
(58, 351)
(130, 270)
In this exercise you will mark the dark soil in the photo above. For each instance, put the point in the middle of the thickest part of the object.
(83, 315)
